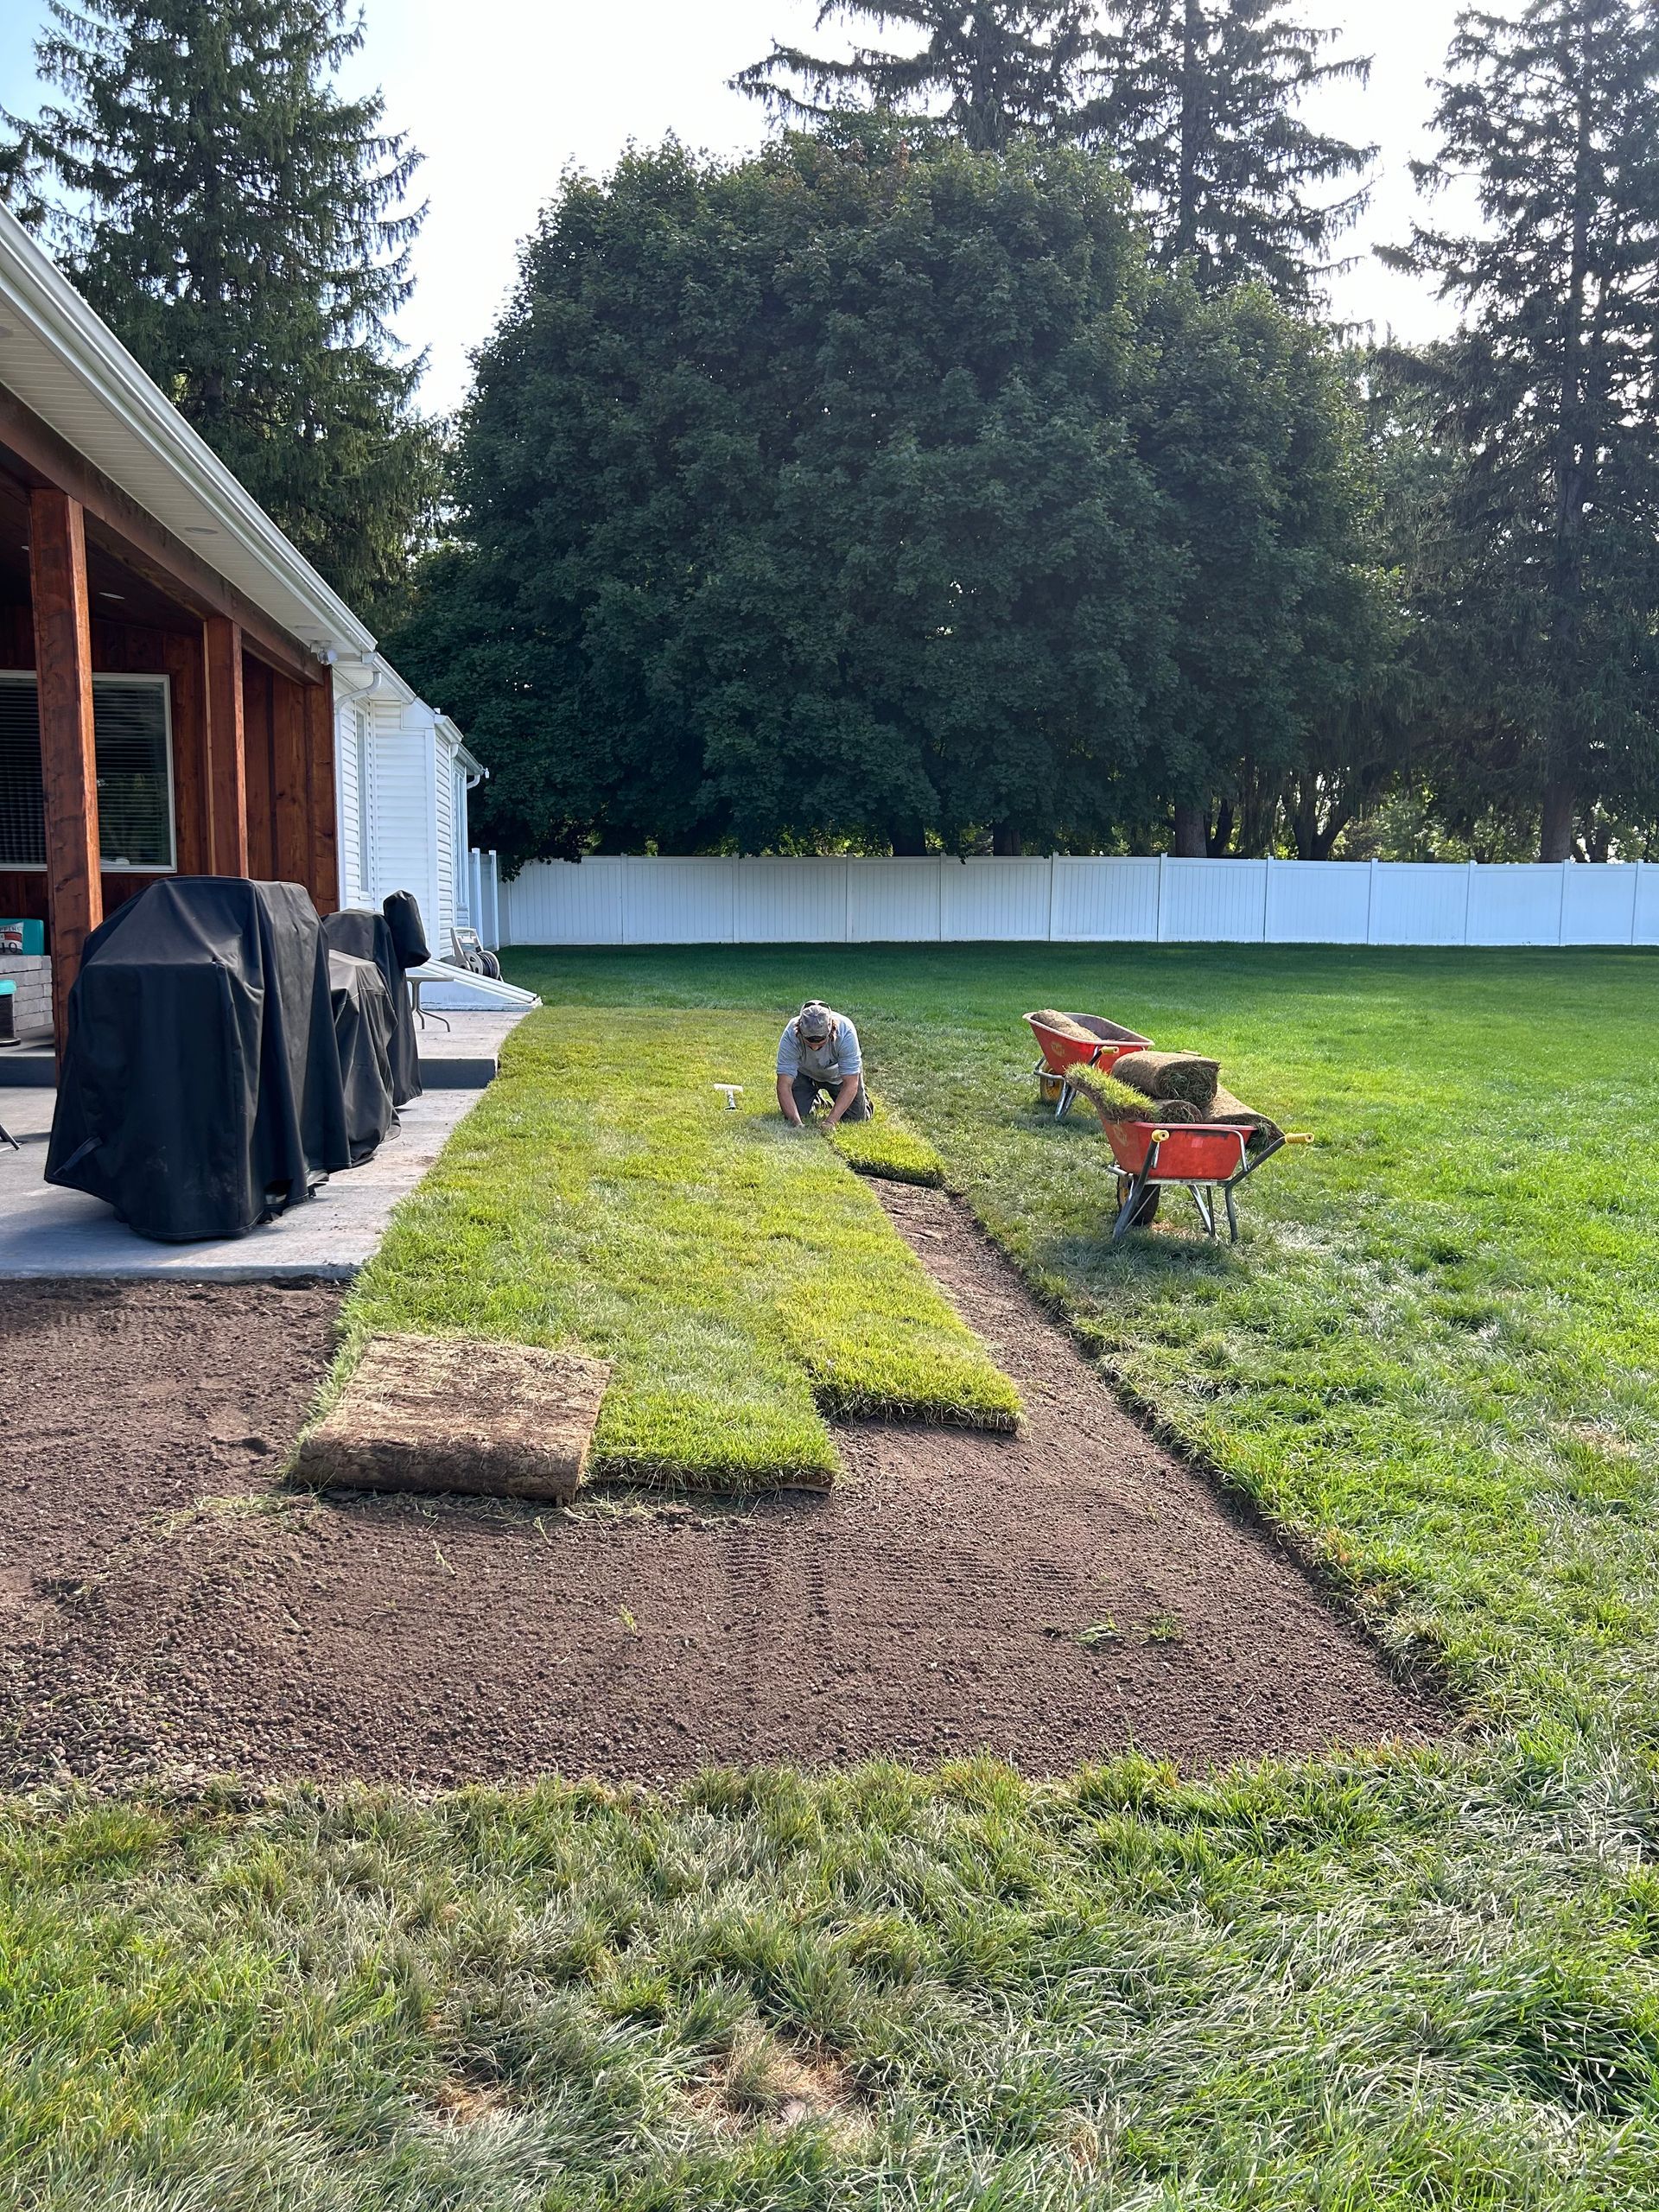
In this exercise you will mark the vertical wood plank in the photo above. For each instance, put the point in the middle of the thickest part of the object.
(256, 693)
(323, 879)
(63, 658)
(290, 792)
(225, 739)
(184, 657)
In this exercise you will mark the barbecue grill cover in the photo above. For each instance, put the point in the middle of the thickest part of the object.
(200, 1088)
(402, 913)
(368, 937)
(362, 1025)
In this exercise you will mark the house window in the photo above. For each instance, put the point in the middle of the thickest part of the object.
(133, 738)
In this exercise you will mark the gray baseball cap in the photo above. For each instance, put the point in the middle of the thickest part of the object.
(815, 1020)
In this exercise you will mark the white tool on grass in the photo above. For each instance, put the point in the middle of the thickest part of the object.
(734, 1091)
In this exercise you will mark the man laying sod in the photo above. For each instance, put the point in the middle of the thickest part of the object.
(819, 1055)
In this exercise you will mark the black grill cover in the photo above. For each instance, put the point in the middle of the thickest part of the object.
(368, 937)
(200, 1086)
(363, 1028)
(402, 913)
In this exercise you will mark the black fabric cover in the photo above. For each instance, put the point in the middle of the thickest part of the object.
(363, 1028)
(368, 937)
(200, 1086)
(403, 914)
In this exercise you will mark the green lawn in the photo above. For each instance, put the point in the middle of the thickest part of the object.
(602, 1195)
(1370, 1984)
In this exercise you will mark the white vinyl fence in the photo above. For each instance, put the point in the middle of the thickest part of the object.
(1062, 900)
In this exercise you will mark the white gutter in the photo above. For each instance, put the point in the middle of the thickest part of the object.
(69, 368)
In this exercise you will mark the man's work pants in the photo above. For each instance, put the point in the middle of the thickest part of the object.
(809, 1088)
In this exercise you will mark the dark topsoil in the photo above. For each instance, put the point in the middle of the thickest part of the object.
(166, 1608)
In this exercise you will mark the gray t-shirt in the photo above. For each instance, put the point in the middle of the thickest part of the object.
(833, 1061)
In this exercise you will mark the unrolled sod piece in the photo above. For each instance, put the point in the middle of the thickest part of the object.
(1118, 1102)
(459, 1413)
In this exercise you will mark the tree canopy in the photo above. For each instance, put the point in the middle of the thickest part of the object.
(1535, 564)
(243, 228)
(842, 494)
(989, 70)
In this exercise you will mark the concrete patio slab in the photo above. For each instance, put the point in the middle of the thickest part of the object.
(49, 1232)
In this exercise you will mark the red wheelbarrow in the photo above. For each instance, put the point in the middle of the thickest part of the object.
(1207, 1156)
(1101, 1045)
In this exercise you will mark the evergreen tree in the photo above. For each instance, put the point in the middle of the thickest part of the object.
(986, 69)
(1198, 100)
(1544, 532)
(241, 228)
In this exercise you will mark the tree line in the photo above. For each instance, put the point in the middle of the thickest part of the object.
(974, 468)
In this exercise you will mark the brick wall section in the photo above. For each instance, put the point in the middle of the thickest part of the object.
(32, 1006)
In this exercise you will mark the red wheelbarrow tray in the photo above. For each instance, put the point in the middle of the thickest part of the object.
(1110, 1043)
(1188, 1152)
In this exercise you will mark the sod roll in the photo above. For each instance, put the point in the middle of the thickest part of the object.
(1116, 1102)
(1166, 1075)
(1062, 1025)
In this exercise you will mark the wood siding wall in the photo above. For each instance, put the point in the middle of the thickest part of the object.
(291, 789)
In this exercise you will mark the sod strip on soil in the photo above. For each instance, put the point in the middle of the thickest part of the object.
(741, 1280)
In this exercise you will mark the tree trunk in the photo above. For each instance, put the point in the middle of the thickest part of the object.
(1191, 833)
(1187, 209)
(1221, 836)
(1006, 841)
(1556, 840)
(909, 841)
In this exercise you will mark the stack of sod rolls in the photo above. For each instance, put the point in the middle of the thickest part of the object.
(1119, 1102)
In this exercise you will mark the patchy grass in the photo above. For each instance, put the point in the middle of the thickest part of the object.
(887, 1148)
(1379, 1984)
(1431, 1360)
(602, 1197)
(1370, 1984)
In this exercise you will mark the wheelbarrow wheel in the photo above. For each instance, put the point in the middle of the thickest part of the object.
(1147, 1212)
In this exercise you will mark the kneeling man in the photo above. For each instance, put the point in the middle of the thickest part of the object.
(817, 1054)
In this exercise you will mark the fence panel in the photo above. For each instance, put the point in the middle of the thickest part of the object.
(1000, 901)
(790, 902)
(893, 902)
(1213, 902)
(1598, 906)
(1317, 902)
(1646, 930)
(677, 902)
(1106, 901)
(1420, 902)
(1520, 904)
(555, 902)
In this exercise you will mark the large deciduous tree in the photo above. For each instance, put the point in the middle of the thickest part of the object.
(853, 494)
(243, 228)
(1198, 100)
(1537, 554)
(989, 70)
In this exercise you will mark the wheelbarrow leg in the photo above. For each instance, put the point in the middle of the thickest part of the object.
(1232, 1214)
(1130, 1207)
(1206, 1208)
(1066, 1096)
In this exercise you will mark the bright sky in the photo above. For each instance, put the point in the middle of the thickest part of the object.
(501, 95)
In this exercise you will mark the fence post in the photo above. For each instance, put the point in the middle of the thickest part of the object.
(1159, 938)
(1635, 898)
(1561, 907)
(1053, 864)
(847, 898)
(1468, 896)
(1267, 896)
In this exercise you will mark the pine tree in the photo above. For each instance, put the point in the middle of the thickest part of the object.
(1549, 394)
(1000, 67)
(1198, 101)
(241, 228)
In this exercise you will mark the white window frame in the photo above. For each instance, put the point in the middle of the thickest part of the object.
(109, 866)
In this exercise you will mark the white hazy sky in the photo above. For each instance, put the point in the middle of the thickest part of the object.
(502, 95)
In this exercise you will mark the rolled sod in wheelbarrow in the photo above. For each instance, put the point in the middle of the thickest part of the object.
(459, 1413)
(1171, 1075)
(1116, 1102)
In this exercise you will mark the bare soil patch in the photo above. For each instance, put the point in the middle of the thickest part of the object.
(166, 1607)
